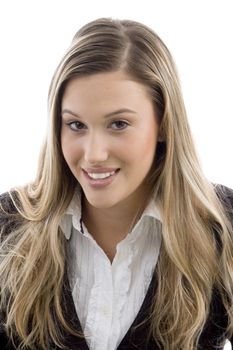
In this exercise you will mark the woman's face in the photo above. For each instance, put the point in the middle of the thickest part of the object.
(108, 137)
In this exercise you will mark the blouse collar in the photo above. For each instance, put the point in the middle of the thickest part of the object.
(73, 214)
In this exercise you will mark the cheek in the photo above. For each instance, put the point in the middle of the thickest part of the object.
(69, 150)
(139, 155)
(146, 145)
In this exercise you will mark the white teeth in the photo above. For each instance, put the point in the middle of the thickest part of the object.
(97, 176)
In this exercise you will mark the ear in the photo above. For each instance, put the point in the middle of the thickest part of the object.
(160, 137)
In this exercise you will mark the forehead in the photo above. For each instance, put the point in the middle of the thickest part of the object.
(107, 88)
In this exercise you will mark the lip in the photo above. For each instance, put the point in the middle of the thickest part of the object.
(99, 170)
(99, 183)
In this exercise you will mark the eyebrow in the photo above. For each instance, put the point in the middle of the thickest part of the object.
(118, 111)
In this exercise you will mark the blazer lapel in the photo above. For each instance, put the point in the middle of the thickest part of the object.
(136, 336)
(70, 314)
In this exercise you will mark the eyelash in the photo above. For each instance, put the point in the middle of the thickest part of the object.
(70, 124)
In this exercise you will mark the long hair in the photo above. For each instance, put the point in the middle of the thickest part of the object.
(196, 253)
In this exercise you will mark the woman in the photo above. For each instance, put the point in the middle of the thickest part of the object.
(120, 242)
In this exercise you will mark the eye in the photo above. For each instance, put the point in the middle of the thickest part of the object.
(119, 125)
(76, 126)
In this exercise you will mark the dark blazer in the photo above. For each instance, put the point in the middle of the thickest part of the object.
(213, 333)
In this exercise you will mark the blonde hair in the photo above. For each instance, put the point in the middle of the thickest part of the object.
(196, 254)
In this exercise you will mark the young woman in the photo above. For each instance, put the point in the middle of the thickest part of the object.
(120, 242)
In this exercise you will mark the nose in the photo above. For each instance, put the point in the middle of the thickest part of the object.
(95, 149)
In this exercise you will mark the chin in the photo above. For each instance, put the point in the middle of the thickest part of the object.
(101, 204)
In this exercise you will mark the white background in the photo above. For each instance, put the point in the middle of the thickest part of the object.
(35, 34)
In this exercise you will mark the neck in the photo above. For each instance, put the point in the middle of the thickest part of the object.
(109, 226)
(117, 220)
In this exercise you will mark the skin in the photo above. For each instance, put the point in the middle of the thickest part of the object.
(123, 140)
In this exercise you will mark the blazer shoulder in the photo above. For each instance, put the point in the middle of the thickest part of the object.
(225, 194)
(9, 215)
(7, 205)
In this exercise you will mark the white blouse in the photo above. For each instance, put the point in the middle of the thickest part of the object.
(108, 296)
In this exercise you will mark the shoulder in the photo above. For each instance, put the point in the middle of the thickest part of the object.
(7, 205)
(225, 194)
(9, 215)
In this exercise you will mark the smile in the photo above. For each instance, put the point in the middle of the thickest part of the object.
(100, 177)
